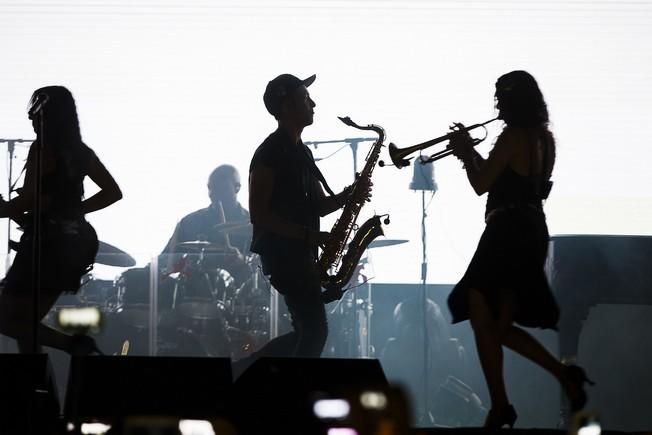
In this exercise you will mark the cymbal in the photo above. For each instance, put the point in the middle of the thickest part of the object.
(201, 245)
(385, 242)
(109, 255)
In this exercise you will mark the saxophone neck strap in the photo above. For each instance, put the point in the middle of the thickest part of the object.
(315, 170)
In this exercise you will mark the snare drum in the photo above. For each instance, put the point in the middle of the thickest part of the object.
(196, 294)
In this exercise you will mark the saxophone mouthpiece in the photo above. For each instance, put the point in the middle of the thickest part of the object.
(346, 120)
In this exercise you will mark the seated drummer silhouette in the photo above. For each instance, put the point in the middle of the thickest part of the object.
(204, 224)
(223, 188)
(183, 278)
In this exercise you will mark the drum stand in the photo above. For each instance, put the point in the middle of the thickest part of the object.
(423, 179)
(153, 308)
(362, 312)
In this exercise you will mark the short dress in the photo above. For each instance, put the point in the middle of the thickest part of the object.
(511, 255)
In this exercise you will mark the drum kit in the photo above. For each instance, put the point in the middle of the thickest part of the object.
(205, 299)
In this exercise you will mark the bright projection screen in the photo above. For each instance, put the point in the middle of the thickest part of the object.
(167, 90)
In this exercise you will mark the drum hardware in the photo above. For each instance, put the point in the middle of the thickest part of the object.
(125, 348)
(98, 292)
(109, 255)
(194, 292)
(243, 343)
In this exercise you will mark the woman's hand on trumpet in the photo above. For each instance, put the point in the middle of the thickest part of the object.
(461, 142)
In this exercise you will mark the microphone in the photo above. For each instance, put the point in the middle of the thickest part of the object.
(39, 103)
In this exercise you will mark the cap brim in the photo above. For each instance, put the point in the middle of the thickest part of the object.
(309, 81)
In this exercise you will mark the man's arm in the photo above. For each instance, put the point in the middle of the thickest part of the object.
(328, 204)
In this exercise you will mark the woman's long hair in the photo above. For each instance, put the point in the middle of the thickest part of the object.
(520, 103)
(60, 129)
(519, 100)
(59, 112)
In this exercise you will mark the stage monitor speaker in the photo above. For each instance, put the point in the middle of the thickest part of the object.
(119, 386)
(278, 392)
(28, 394)
(312, 374)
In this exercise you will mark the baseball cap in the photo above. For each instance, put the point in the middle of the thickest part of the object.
(281, 87)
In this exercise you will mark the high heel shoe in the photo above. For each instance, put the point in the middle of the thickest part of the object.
(83, 345)
(499, 417)
(575, 380)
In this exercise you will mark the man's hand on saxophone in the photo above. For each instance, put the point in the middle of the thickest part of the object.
(363, 189)
(317, 238)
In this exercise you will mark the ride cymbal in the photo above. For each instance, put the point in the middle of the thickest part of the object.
(109, 255)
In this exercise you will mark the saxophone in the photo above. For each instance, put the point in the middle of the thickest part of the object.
(333, 254)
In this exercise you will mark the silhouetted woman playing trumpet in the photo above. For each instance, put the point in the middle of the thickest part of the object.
(505, 283)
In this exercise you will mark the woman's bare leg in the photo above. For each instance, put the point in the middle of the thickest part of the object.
(15, 321)
(488, 342)
(521, 342)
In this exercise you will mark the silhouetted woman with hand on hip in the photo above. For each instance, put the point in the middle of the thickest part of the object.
(505, 283)
(67, 242)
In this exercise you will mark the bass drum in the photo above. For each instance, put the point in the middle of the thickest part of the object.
(119, 336)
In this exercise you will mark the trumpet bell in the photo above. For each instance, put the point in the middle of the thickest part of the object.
(395, 155)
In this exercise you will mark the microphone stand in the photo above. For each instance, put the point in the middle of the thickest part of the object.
(36, 242)
(351, 141)
(423, 180)
(11, 147)
(424, 306)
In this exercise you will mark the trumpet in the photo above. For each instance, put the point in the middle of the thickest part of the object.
(398, 155)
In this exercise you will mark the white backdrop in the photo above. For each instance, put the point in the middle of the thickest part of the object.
(168, 89)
